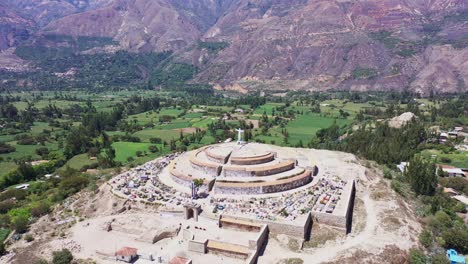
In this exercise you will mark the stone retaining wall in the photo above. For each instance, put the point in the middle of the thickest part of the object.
(275, 169)
(296, 229)
(226, 252)
(216, 157)
(234, 188)
(186, 181)
(252, 160)
(234, 171)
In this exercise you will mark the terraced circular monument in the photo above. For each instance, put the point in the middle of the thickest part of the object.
(231, 168)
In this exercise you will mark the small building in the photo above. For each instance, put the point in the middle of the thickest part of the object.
(126, 254)
(443, 137)
(24, 186)
(452, 134)
(402, 166)
(454, 172)
(458, 129)
(180, 260)
(454, 257)
(462, 199)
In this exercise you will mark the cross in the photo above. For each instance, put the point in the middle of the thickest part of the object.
(239, 135)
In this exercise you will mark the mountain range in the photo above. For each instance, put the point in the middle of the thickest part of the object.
(362, 45)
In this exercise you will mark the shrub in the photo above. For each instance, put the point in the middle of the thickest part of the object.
(387, 174)
(63, 256)
(397, 187)
(29, 238)
(439, 259)
(417, 256)
(40, 209)
(20, 224)
(6, 206)
(426, 238)
(155, 140)
(2, 249)
(5, 148)
(445, 160)
(153, 149)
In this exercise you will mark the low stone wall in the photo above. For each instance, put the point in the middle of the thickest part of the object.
(252, 160)
(297, 229)
(233, 188)
(186, 181)
(257, 243)
(214, 171)
(307, 178)
(236, 190)
(198, 246)
(275, 169)
(216, 157)
(235, 171)
(225, 249)
(226, 222)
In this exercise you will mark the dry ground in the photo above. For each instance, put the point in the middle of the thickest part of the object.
(383, 228)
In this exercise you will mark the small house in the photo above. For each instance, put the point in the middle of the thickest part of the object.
(454, 172)
(126, 254)
(402, 166)
(24, 186)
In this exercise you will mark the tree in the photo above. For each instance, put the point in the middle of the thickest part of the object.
(198, 182)
(26, 171)
(457, 237)
(42, 151)
(153, 149)
(422, 176)
(63, 256)
(71, 185)
(2, 248)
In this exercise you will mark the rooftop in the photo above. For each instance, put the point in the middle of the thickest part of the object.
(179, 260)
(126, 251)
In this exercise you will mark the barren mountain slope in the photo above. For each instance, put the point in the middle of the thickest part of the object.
(291, 44)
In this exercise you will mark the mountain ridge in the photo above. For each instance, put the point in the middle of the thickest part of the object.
(277, 44)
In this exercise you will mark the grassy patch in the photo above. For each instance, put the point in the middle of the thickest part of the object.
(79, 161)
(304, 127)
(4, 232)
(123, 150)
(457, 158)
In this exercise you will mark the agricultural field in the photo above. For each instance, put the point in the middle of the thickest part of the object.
(79, 161)
(456, 158)
(125, 150)
(171, 119)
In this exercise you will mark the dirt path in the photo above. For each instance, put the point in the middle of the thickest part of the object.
(373, 238)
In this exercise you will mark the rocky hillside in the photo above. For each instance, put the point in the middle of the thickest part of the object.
(419, 45)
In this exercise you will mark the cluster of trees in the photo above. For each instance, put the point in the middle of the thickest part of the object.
(20, 208)
(385, 144)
